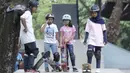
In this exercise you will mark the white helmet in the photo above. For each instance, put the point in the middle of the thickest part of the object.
(66, 16)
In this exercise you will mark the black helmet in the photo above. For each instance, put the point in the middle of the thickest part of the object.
(49, 16)
(33, 3)
(95, 8)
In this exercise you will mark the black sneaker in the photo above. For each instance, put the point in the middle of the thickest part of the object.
(58, 69)
(75, 70)
(68, 68)
(47, 69)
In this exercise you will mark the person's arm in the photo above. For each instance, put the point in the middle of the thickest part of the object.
(104, 33)
(87, 30)
(57, 37)
(43, 27)
(105, 36)
(86, 37)
(56, 32)
(23, 20)
(61, 38)
(72, 37)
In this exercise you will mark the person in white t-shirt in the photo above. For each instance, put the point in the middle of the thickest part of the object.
(51, 36)
(95, 37)
(27, 37)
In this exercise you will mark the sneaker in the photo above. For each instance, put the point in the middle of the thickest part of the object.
(68, 68)
(75, 70)
(27, 70)
(98, 71)
(47, 69)
(59, 69)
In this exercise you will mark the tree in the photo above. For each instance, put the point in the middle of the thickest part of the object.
(9, 35)
(113, 25)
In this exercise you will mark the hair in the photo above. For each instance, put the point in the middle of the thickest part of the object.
(70, 24)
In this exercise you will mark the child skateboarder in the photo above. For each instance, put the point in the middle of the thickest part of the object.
(95, 37)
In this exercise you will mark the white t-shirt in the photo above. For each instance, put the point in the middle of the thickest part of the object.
(29, 36)
(95, 31)
(50, 33)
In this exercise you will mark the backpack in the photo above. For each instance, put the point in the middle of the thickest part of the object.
(19, 8)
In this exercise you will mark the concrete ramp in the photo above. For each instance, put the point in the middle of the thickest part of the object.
(116, 57)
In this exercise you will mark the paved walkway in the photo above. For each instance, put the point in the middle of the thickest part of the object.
(114, 59)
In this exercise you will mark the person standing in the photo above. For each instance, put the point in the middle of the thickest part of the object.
(95, 37)
(51, 39)
(67, 34)
(27, 36)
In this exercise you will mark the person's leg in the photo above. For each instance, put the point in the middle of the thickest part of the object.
(98, 56)
(56, 55)
(46, 48)
(90, 53)
(26, 57)
(34, 52)
(55, 52)
(67, 52)
(72, 56)
(71, 53)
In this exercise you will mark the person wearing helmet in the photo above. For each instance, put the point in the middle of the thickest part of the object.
(67, 34)
(50, 32)
(95, 37)
(27, 36)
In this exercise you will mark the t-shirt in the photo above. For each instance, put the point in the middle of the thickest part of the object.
(29, 36)
(50, 33)
(95, 31)
(68, 32)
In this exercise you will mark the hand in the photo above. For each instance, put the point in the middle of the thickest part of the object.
(66, 41)
(25, 30)
(60, 46)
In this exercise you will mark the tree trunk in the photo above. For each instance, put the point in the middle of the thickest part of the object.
(113, 26)
(9, 35)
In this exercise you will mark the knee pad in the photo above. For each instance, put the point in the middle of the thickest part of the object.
(46, 54)
(98, 55)
(90, 53)
(72, 56)
(56, 56)
(35, 52)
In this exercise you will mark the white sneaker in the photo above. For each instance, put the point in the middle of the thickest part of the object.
(98, 71)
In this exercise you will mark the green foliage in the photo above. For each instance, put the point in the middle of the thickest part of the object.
(124, 36)
(84, 15)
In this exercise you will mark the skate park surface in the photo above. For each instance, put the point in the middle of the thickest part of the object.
(114, 58)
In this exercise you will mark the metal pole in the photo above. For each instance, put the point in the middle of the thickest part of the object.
(77, 6)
